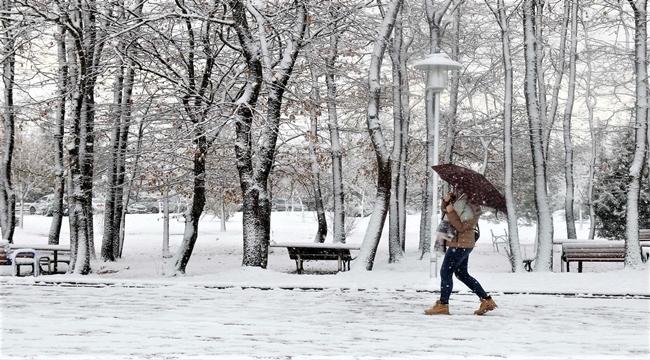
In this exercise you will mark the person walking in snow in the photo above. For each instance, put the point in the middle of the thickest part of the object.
(463, 215)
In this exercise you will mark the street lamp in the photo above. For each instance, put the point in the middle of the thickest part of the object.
(437, 66)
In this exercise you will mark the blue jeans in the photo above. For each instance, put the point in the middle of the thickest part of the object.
(455, 262)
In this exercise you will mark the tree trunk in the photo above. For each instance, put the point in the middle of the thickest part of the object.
(366, 256)
(7, 193)
(223, 205)
(396, 253)
(632, 247)
(110, 239)
(165, 245)
(448, 153)
(84, 61)
(338, 225)
(502, 18)
(427, 193)
(122, 201)
(559, 74)
(59, 130)
(544, 219)
(402, 183)
(312, 141)
(594, 131)
(198, 201)
(568, 144)
(537, 17)
(254, 173)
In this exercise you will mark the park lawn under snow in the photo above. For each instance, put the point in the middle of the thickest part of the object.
(216, 259)
(135, 309)
(194, 322)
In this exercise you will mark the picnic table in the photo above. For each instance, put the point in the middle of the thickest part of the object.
(54, 249)
(306, 251)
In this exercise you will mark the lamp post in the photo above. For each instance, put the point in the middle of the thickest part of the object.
(437, 66)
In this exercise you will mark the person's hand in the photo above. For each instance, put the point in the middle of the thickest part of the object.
(447, 197)
(450, 208)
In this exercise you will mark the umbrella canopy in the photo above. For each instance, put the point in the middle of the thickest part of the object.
(475, 186)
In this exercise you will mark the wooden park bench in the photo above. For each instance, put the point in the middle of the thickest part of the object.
(644, 239)
(300, 252)
(595, 251)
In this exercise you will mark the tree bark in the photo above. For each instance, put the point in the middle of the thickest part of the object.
(7, 193)
(338, 226)
(254, 167)
(397, 54)
(502, 17)
(111, 233)
(594, 131)
(312, 142)
(559, 74)
(632, 246)
(568, 110)
(198, 202)
(366, 256)
(544, 219)
(59, 130)
(194, 104)
(83, 64)
(448, 153)
(538, 15)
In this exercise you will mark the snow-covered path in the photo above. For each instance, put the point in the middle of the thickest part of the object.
(183, 321)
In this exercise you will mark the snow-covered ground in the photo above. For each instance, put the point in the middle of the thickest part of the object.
(194, 322)
(219, 309)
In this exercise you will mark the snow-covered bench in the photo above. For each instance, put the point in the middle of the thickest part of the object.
(301, 252)
(594, 251)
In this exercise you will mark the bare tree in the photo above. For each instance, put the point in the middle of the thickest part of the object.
(371, 239)
(594, 131)
(544, 219)
(557, 83)
(632, 247)
(7, 193)
(121, 110)
(568, 110)
(312, 141)
(254, 164)
(59, 130)
(400, 135)
(336, 150)
(503, 19)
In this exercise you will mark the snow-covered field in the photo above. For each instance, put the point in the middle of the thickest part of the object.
(179, 321)
(136, 309)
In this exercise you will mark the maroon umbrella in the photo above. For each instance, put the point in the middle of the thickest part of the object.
(475, 186)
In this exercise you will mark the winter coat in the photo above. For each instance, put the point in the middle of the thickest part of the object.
(463, 218)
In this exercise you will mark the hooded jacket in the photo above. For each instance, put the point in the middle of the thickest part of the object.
(463, 218)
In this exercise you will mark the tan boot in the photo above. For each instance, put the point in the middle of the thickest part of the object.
(438, 309)
(486, 305)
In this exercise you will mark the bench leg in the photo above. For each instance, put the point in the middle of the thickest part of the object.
(528, 266)
(297, 266)
(579, 266)
(567, 267)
